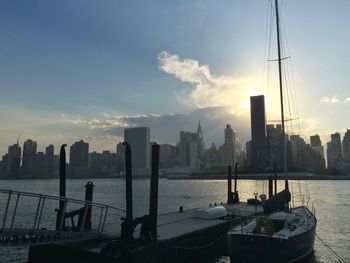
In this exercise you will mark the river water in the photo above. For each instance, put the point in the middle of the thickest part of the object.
(331, 199)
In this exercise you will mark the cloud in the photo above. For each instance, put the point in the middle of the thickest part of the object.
(164, 128)
(330, 100)
(334, 100)
(208, 89)
(347, 100)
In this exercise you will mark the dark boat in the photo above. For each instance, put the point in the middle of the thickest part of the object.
(281, 237)
(282, 234)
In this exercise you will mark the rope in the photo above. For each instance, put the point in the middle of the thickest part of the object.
(340, 259)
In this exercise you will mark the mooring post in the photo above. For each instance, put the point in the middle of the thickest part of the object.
(62, 170)
(127, 228)
(89, 190)
(236, 175)
(275, 176)
(229, 185)
(235, 194)
(153, 203)
(270, 178)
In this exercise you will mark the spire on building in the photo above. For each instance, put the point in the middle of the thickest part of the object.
(199, 130)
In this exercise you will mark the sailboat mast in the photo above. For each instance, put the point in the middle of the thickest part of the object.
(281, 90)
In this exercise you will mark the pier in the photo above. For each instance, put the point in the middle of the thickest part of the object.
(180, 236)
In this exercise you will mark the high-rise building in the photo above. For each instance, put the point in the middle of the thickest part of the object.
(316, 145)
(297, 153)
(346, 146)
(37, 167)
(95, 164)
(200, 141)
(49, 161)
(228, 149)
(29, 152)
(139, 140)
(13, 161)
(275, 145)
(334, 152)
(315, 140)
(258, 132)
(186, 138)
(167, 155)
(79, 153)
(3, 166)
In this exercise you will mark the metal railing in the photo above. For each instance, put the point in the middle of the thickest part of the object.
(41, 200)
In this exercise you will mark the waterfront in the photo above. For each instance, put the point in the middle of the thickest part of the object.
(331, 200)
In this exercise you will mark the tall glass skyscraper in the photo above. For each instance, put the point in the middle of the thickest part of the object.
(258, 131)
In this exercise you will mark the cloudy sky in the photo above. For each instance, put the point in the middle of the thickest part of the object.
(80, 69)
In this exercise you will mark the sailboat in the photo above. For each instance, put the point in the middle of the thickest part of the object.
(282, 234)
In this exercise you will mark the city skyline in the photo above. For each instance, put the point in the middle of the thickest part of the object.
(87, 70)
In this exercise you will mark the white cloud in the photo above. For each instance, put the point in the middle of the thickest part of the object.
(209, 90)
(347, 100)
(330, 100)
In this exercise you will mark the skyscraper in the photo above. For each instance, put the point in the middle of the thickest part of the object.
(13, 161)
(29, 152)
(49, 158)
(186, 139)
(316, 145)
(37, 168)
(79, 154)
(275, 144)
(315, 140)
(228, 149)
(258, 132)
(334, 153)
(346, 146)
(200, 141)
(139, 140)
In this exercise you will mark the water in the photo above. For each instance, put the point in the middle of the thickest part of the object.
(330, 198)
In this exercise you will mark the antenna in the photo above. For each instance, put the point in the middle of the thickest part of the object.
(19, 136)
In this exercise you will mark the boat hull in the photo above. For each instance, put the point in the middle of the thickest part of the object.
(256, 248)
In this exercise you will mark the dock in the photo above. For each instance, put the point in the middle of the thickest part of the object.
(181, 236)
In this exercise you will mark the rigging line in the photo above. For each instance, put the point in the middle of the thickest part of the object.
(327, 257)
(286, 70)
(266, 38)
(330, 249)
(293, 89)
(270, 14)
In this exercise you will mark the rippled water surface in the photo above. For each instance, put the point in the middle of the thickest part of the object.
(330, 198)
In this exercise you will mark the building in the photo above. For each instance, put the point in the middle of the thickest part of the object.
(95, 164)
(37, 167)
(346, 146)
(13, 161)
(79, 158)
(274, 143)
(200, 141)
(139, 140)
(316, 145)
(186, 139)
(334, 153)
(212, 157)
(29, 152)
(315, 140)
(49, 161)
(258, 132)
(227, 150)
(168, 156)
(297, 159)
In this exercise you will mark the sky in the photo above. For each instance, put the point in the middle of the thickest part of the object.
(72, 70)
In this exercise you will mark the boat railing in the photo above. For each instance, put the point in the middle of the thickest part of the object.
(14, 199)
